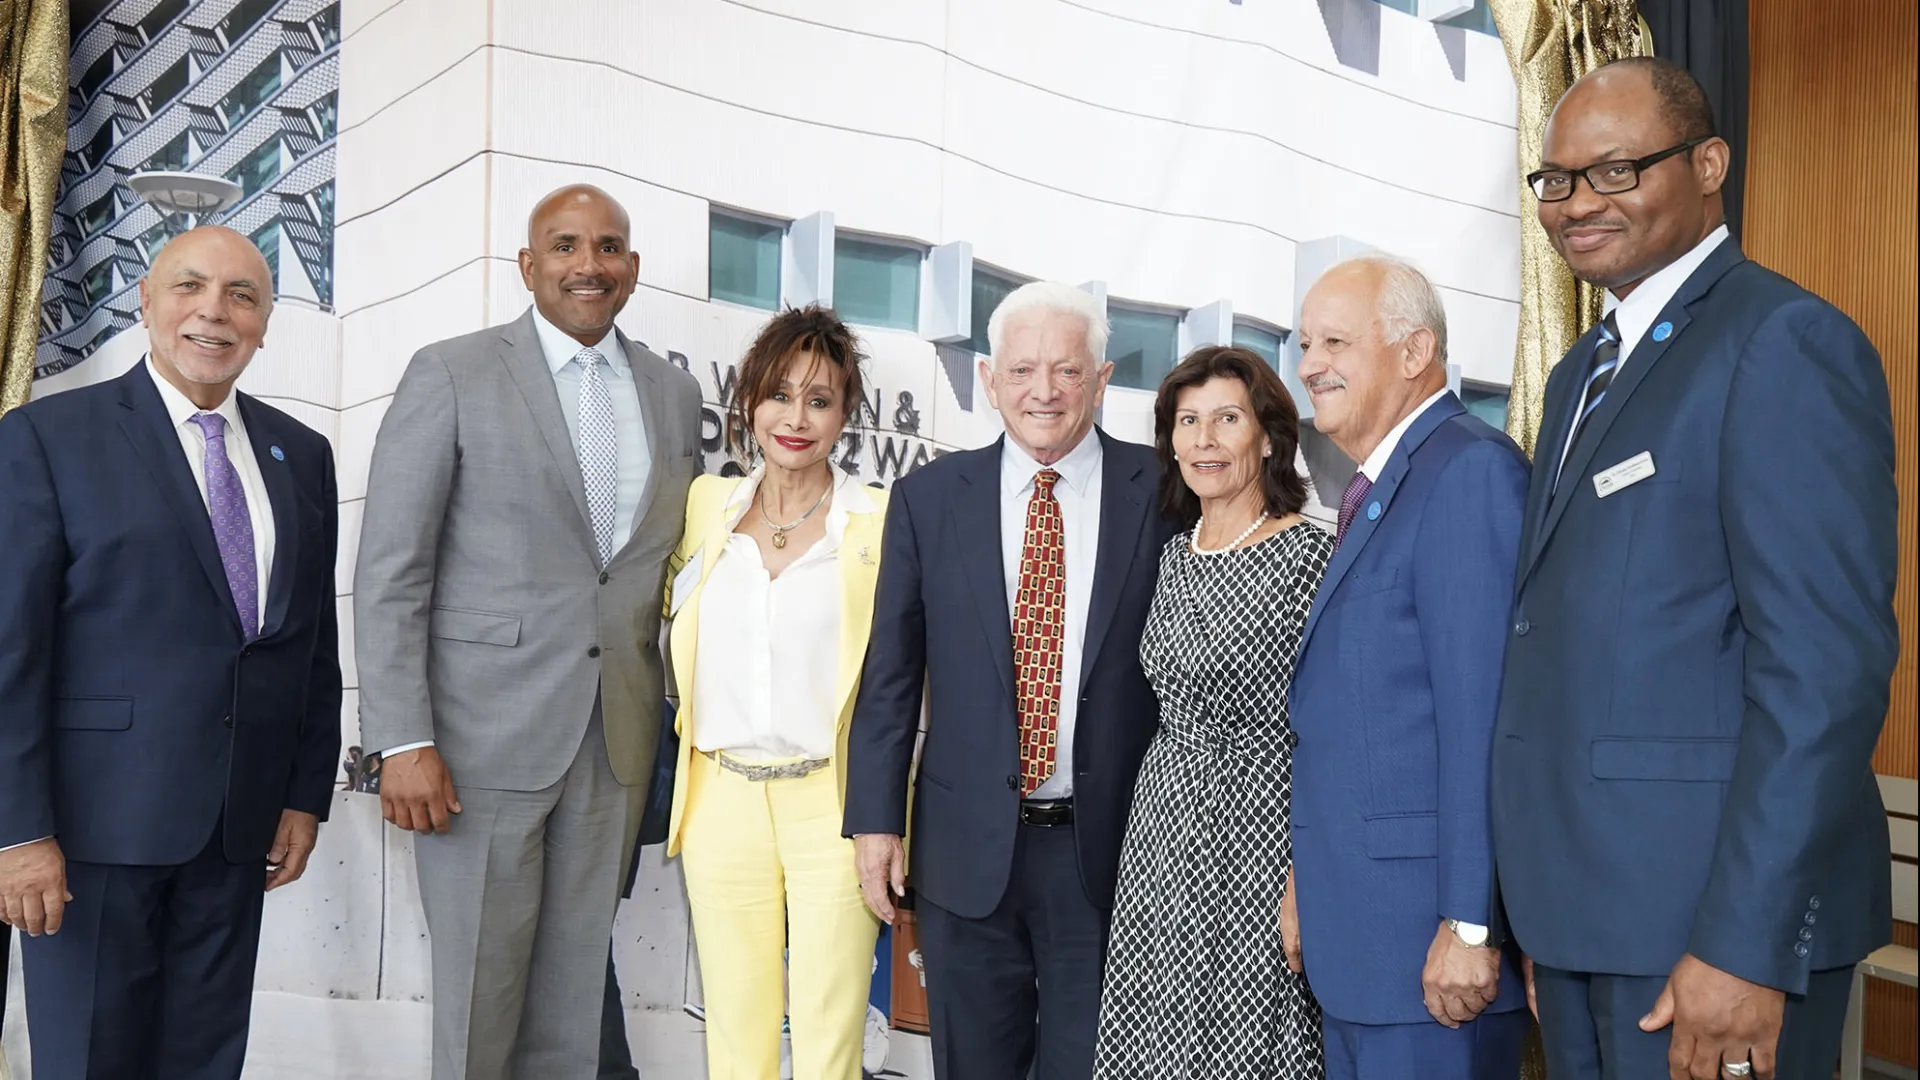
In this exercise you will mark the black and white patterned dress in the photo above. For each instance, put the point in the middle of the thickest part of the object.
(1197, 985)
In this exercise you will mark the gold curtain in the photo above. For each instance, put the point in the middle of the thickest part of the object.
(1550, 44)
(33, 139)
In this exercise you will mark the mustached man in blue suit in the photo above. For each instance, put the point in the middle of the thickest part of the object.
(1395, 695)
(1691, 845)
(169, 681)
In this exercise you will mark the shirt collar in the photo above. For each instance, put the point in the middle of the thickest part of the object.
(560, 349)
(1377, 460)
(849, 497)
(1637, 312)
(182, 411)
(1076, 470)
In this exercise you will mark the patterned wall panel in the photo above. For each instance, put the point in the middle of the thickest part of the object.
(246, 89)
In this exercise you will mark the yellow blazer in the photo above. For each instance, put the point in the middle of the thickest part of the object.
(705, 536)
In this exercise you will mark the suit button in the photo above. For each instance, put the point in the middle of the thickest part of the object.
(1013, 783)
(1813, 902)
(1293, 739)
(604, 577)
(246, 652)
(593, 651)
(1522, 628)
(1800, 949)
(1806, 933)
(1810, 918)
(227, 720)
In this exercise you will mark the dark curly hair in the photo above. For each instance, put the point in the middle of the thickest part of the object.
(1285, 490)
(811, 329)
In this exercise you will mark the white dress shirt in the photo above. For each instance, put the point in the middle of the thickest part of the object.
(1635, 315)
(193, 443)
(768, 660)
(630, 428)
(1078, 493)
(1377, 460)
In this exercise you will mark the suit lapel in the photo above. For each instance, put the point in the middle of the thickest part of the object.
(276, 474)
(1556, 422)
(157, 446)
(976, 517)
(1646, 353)
(520, 352)
(1124, 496)
(859, 573)
(646, 381)
(1374, 510)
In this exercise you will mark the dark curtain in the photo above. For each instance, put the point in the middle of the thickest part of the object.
(1709, 39)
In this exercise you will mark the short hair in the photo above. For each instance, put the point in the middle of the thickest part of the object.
(1037, 297)
(1683, 101)
(1281, 485)
(1407, 301)
(810, 329)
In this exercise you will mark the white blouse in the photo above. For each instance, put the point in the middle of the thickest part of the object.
(768, 652)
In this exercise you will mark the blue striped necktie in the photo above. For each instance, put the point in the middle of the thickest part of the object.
(1600, 369)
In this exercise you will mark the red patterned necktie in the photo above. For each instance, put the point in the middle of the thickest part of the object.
(1357, 489)
(1039, 632)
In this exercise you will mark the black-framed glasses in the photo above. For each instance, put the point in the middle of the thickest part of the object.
(1605, 178)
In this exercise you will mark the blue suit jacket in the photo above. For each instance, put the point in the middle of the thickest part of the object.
(1394, 700)
(132, 711)
(940, 623)
(1699, 663)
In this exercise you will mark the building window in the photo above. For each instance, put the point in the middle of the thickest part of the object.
(267, 239)
(1479, 20)
(163, 13)
(326, 26)
(244, 17)
(98, 214)
(99, 146)
(99, 339)
(254, 90)
(743, 260)
(166, 87)
(258, 169)
(989, 288)
(171, 157)
(326, 116)
(323, 206)
(98, 283)
(98, 74)
(1142, 345)
(1489, 403)
(875, 283)
(1270, 344)
(156, 238)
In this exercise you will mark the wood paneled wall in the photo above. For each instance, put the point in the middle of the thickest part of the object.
(1831, 165)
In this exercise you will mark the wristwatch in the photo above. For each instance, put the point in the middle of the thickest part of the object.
(1468, 934)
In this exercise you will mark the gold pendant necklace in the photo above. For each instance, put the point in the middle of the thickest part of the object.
(780, 531)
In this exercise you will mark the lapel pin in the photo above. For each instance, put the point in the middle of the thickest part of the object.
(278, 454)
(865, 559)
(1663, 331)
(1373, 512)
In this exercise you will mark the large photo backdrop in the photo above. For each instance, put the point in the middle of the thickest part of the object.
(1195, 163)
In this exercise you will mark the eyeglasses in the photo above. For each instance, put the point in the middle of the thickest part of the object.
(1606, 178)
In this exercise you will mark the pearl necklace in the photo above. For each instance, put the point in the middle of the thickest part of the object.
(1250, 530)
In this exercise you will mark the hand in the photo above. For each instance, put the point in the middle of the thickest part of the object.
(1290, 927)
(416, 791)
(1533, 1000)
(1717, 1017)
(33, 887)
(292, 842)
(1459, 982)
(882, 862)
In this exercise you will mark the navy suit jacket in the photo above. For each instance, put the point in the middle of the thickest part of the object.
(1393, 700)
(1699, 663)
(940, 625)
(133, 714)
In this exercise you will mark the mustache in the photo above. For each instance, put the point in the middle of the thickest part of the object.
(1589, 223)
(1326, 382)
(589, 283)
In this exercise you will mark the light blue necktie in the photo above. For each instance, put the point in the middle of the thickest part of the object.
(599, 450)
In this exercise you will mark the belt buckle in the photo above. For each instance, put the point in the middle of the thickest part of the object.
(1047, 815)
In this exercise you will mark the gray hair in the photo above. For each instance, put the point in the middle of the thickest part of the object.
(1051, 297)
(1407, 302)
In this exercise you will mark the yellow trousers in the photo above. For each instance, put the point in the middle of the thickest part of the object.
(767, 870)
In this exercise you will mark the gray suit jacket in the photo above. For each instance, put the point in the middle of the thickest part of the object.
(482, 620)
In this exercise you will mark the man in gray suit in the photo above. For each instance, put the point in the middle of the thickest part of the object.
(527, 485)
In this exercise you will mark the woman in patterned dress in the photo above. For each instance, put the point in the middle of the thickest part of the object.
(1197, 985)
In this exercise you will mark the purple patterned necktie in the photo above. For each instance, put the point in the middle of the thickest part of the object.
(1357, 489)
(232, 525)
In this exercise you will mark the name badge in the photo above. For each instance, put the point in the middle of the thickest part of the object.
(1624, 475)
(684, 582)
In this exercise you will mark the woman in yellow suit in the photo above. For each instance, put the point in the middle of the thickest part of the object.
(771, 599)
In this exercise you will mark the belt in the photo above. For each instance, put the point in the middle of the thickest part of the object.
(780, 770)
(1046, 813)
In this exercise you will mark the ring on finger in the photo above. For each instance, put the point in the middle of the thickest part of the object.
(1738, 1068)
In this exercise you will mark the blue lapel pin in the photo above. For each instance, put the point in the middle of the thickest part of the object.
(1663, 331)
(278, 455)
(1373, 512)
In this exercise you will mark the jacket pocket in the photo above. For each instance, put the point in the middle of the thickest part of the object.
(93, 714)
(482, 627)
(1700, 760)
(1365, 584)
(1402, 836)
